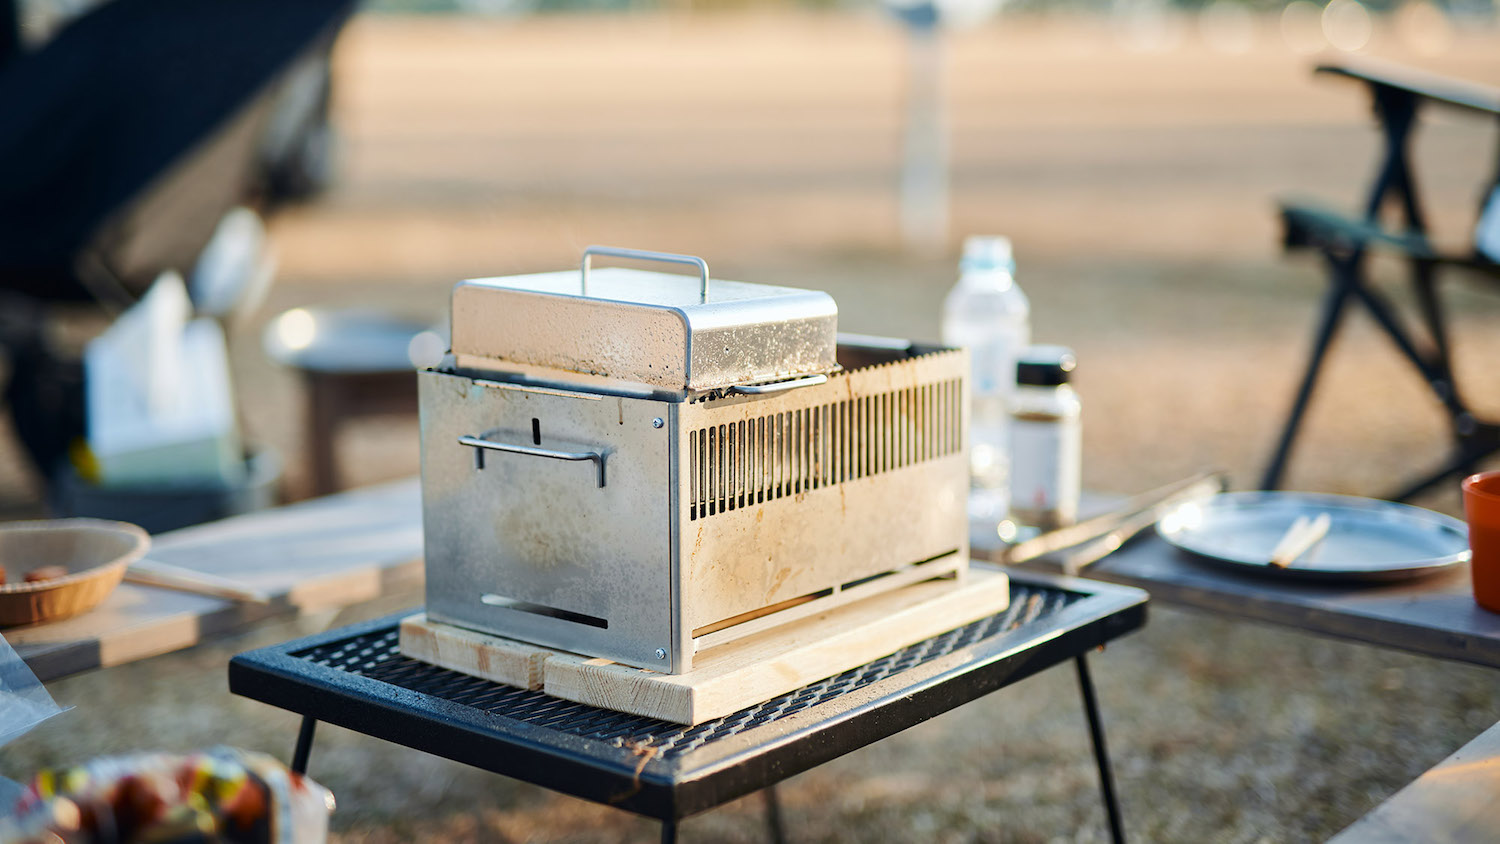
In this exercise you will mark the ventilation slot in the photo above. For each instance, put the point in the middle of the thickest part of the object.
(493, 600)
(741, 464)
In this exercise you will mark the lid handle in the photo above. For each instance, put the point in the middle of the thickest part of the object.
(643, 255)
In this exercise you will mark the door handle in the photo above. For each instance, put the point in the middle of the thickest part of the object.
(481, 445)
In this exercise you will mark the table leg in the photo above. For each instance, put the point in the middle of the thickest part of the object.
(304, 744)
(669, 832)
(1343, 274)
(774, 823)
(325, 406)
(1482, 441)
(1101, 751)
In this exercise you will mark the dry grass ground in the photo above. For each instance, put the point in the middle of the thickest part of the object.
(1138, 189)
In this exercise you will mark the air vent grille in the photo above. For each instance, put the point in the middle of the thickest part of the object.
(744, 463)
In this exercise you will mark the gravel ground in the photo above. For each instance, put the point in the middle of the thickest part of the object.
(1137, 187)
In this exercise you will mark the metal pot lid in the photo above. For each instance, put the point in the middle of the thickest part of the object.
(664, 331)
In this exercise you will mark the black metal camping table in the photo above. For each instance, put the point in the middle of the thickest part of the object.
(355, 677)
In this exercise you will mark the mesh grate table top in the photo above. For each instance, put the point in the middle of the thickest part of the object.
(374, 654)
(357, 677)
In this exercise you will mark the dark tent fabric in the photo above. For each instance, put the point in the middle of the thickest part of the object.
(102, 111)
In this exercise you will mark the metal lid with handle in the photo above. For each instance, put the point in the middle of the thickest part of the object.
(645, 329)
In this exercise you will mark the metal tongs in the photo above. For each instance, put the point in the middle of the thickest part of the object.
(1096, 538)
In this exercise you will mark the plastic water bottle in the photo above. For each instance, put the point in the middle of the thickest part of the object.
(987, 313)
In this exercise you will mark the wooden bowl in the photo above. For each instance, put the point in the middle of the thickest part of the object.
(95, 553)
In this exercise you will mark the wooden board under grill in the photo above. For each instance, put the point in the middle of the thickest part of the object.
(730, 677)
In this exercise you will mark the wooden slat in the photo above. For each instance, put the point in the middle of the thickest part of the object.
(733, 676)
(1458, 801)
(166, 576)
(315, 555)
(491, 657)
(730, 677)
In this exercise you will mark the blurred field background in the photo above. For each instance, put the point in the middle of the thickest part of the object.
(1132, 157)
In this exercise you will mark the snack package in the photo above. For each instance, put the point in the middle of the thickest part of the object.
(219, 795)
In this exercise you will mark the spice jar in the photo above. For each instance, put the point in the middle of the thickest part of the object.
(1045, 440)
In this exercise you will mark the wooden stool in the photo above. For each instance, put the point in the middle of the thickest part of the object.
(353, 363)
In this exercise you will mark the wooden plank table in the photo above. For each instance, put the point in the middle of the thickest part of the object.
(315, 555)
(1434, 616)
(1454, 802)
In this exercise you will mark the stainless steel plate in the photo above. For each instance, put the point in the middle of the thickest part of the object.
(1367, 540)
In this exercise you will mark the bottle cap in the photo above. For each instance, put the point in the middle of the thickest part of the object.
(988, 252)
(1045, 366)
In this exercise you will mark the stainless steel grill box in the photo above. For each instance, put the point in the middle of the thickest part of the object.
(633, 466)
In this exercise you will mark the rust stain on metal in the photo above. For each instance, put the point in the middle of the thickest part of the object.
(779, 579)
(646, 753)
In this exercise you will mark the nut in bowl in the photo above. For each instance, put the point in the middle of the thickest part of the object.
(59, 568)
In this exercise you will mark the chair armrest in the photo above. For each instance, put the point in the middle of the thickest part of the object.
(1430, 86)
(1308, 224)
(1312, 224)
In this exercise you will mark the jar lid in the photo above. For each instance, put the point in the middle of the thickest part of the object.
(1045, 366)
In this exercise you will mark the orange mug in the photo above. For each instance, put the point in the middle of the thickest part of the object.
(1482, 507)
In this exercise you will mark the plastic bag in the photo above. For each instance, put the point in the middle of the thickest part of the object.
(23, 701)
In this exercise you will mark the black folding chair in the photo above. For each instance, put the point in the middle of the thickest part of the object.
(1344, 241)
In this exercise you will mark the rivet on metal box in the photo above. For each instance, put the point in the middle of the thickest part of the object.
(638, 466)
